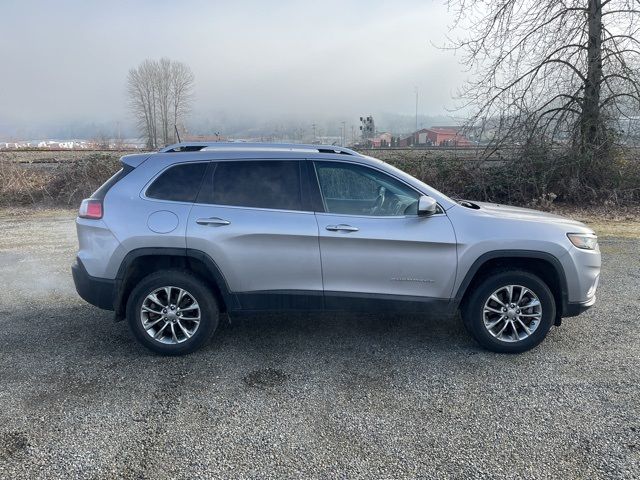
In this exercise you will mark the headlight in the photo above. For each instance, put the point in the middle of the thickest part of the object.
(585, 241)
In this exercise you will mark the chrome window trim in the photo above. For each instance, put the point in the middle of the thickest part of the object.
(387, 217)
(143, 192)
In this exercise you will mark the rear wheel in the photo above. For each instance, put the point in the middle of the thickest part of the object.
(510, 311)
(172, 312)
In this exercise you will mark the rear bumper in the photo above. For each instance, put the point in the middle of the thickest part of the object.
(96, 291)
(574, 309)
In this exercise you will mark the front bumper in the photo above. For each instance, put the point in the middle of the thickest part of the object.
(573, 309)
(96, 291)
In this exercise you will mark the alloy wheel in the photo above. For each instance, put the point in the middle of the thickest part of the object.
(170, 315)
(512, 313)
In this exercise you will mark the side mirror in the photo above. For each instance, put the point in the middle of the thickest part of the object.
(427, 206)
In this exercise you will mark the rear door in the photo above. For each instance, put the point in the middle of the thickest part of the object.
(373, 243)
(250, 219)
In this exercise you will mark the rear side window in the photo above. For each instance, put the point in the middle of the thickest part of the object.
(271, 184)
(179, 183)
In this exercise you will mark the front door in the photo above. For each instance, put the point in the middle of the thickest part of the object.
(372, 241)
(249, 219)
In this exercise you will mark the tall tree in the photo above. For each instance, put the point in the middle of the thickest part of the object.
(159, 93)
(181, 81)
(550, 69)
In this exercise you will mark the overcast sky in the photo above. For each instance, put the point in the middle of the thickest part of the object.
(67, 61)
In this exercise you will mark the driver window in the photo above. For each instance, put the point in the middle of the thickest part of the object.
(357, 190)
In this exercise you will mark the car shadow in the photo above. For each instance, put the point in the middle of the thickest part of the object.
(329, 329)
(86, 329)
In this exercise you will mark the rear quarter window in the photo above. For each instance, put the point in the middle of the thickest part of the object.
(179, 183)
(101, 192)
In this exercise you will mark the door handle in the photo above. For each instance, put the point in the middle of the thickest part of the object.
(212, 221)
(342, 228)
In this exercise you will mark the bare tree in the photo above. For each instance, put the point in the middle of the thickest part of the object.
(163, 82)
(159, 96)
(181, 92)
(550, 69)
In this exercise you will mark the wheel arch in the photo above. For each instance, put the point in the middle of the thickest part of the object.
(542, 264)
(141, 262)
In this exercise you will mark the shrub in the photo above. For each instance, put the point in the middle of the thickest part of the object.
(74, 181)
(534, 175)
(61, 184)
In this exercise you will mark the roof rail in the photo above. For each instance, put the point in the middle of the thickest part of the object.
(246, 146)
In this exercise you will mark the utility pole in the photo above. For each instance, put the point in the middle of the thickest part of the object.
(313, 125)
(343, 134)
(416, 88)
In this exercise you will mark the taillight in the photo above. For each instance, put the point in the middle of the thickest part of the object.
(90, 208)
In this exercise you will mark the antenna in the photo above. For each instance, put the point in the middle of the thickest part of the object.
(177, 134)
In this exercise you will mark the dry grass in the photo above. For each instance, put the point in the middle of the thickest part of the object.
(607, 221)
(61, 184)
(615, 228)
(19, 214)
(54, 156)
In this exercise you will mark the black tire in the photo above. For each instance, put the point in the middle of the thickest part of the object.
(472, 311)
(209, 312)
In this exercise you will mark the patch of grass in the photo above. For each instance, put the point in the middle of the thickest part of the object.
(606, 220)
(13, 214)
(616, 229)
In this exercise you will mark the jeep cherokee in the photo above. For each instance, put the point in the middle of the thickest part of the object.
(177, 237)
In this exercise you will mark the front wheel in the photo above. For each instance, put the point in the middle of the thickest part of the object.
(510, 312)
(172, 312)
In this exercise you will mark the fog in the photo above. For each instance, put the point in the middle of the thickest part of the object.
(65, 63)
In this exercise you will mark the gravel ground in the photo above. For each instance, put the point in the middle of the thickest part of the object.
(330, 396)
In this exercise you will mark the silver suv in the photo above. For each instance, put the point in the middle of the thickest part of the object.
(179, 236)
